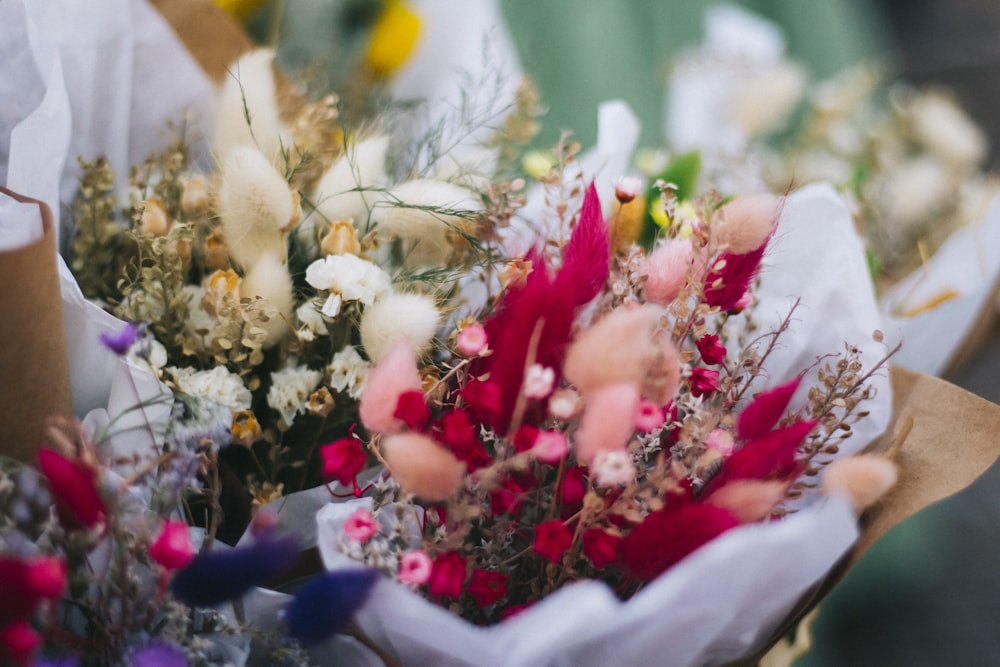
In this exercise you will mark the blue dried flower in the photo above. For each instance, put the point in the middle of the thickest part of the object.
(219, 576)
(326, 603)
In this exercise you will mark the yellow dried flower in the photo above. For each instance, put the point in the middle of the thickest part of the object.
(216, 252)
(246, 429)
(393, 39)
(320, 403)
(195, 198)
(342, 239)
(626, 223)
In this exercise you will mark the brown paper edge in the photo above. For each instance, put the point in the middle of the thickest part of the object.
(951, 443)
(34, 363)
(212, 36)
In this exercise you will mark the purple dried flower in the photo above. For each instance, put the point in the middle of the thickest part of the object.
(158, 653)
(120, 342)
(327, 602)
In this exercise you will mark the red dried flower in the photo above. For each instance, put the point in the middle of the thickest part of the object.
(572, 488)
(525, 438)
(769, 457)
(342, 460)
(601, 547)
(507, 499)
(703, 381)
(19, 643)
(412, 410)
(764, 411)
(456, 430)
(447, 575)
(712, 351)
(667, 536)
(26, 583)
(74, 488)
(552, 539)
(484, 399)
(730, 277)
(486, 587)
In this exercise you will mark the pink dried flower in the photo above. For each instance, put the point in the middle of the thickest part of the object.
(720, 440)
(550, 447)
(415, 568)
(703, 381)
(712, 351)
(864, 478)
(625, 346)
(387, 381)
(613, 468)
(74, 486)
(608, 421)
(447, 575)
(538, 381)
(422, 466)
(552, 539)
(648, 416)
(745, 223)
(472, 340)
(361, 526)
(601, 547)
(749, 500)
(172, 548)
(666, 270)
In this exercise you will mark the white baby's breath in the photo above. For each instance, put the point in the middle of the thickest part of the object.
(218, 385)
(290, 389)
(348, 372)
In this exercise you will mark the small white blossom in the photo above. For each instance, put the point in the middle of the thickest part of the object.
(290, 389)
(348, 372)
(347, 278)
(614, 468)
(538, 381)
(311, 319)
(218, 385)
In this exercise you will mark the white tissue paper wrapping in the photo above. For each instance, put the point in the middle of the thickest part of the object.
(968, 263)
(85, 80)
(717, 605)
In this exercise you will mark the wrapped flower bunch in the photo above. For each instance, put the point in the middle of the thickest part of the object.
(600, 421)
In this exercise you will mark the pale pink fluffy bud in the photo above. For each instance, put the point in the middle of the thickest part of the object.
(743, 224)
(863, 478)
(666, 270)
(392, 376)
(749, 500)
(607, 421)
(422, 466)
(624, 346)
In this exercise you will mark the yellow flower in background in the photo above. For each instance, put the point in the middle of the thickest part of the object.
(394, 38)
(537, 164)
(241, 9)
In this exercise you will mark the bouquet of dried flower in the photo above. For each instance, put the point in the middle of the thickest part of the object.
(603, 420)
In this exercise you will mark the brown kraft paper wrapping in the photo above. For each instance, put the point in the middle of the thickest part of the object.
(34, 368)
(946, 438)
